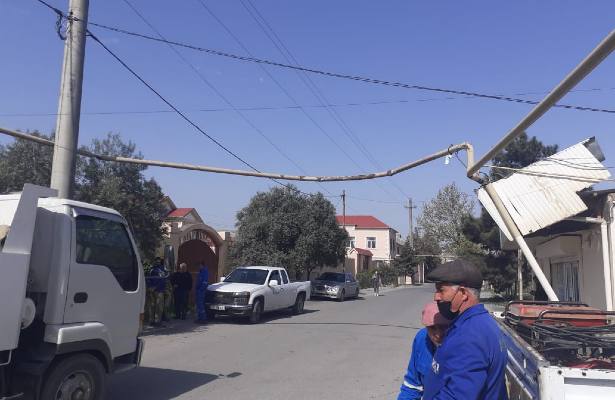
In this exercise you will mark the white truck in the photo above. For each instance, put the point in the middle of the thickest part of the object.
(73, 291)
(251, 291)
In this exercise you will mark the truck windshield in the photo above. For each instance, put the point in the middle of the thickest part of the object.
(332, 277)
(244, 275)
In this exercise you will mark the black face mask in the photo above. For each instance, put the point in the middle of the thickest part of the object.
(444, 307)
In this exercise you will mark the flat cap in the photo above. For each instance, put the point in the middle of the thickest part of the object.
(458, 272)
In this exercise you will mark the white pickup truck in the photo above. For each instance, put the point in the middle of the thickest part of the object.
(251, 291)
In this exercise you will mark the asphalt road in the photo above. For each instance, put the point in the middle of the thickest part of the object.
(357, 349)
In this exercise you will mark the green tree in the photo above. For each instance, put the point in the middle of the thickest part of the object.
(427, 250)
(405, 263)
(521, 152)
(285, 228)
(122, 187)
(25, 161)
(443, 216)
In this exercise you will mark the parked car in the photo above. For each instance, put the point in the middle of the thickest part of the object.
(336, 285)
(252, 291)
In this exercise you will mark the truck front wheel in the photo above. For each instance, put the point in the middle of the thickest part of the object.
(81, 376)
(257, 311)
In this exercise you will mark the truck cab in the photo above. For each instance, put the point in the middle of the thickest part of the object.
(72, 299)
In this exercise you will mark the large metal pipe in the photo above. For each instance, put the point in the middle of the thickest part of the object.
(581, 71)
(514, 231)
(165, 164)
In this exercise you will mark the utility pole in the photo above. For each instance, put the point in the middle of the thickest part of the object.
(410, 207)
(344, 224)
(69, 109)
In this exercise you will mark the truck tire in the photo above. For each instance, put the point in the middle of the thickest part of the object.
(257, 311)
(81, 376)
(342, 295)
(299, 304)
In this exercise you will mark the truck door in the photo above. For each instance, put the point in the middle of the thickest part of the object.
(105, 278)
(288, 291)
(275, 299)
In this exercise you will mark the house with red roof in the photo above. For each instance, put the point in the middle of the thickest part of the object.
(371, 242)
(187, 238)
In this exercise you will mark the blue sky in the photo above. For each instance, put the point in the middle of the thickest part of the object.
(483, 46)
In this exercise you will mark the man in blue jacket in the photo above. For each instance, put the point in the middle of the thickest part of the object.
(471, 362)
(423, 348)
(202, 281)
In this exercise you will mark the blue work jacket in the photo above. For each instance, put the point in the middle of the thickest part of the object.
(471, 361)
(420, 364)
(202, 279)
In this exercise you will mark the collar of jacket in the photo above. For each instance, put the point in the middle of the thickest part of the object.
(469, 313)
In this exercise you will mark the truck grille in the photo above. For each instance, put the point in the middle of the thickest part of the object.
(225, 298)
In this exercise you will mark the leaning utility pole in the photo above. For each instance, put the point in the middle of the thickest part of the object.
(410, 207)
(69, 109)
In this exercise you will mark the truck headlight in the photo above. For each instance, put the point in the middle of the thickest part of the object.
(241, 298)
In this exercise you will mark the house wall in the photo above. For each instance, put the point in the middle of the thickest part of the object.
(383, 237)
(584, 247)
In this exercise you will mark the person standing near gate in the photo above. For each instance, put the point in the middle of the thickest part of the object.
(201, 289)
(182, 284)
(157, 283)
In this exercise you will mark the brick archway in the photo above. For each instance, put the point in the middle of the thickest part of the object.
(193, 252)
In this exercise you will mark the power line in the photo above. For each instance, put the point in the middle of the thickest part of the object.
(274, 108)
(218, 92)
(266, 28)
(279, 85)
(351, 77)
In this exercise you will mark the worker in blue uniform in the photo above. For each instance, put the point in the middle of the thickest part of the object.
(201, 289)
(471, 361)
(423, 348)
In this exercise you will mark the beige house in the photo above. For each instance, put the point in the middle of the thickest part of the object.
(371, 242)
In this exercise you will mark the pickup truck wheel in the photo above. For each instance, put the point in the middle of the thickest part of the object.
(356, 295)
(342, 295)
(257, 311)
(80, 377)
(299, 304)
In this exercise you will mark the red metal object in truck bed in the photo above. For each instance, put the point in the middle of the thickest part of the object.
(571, 314)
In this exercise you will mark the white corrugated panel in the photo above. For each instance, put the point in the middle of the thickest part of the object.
(545, 192)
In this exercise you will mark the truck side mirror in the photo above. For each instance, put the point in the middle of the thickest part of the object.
(273, 282)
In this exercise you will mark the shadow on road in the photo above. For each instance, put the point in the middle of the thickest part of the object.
(146, 383)
(269, 316)
(175, 326)
(348, 323)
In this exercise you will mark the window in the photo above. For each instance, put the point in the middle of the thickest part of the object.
(371, 242)
(351, 242)
(104, 242)
(349, 278)
(284, 277)
(275, 275)
(565, 280)
(244, 275)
